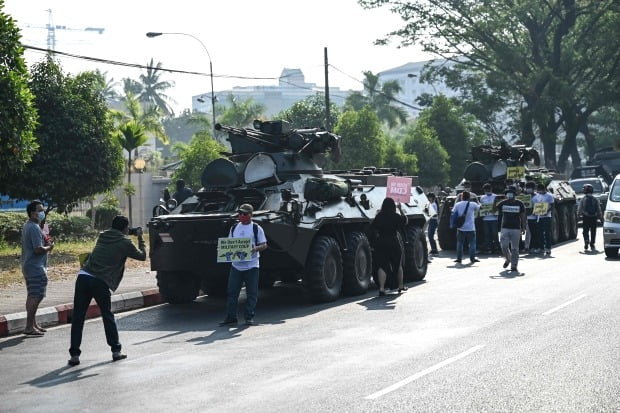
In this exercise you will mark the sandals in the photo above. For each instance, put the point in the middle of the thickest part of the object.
(34, 333)
(402, 289)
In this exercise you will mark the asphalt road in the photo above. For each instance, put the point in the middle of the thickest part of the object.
(468, 339)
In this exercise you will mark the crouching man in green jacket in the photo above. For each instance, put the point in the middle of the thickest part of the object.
(102, 272)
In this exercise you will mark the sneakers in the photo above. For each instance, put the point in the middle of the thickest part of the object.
(585, 246)
(250, 322)
(514, 269)
(547, 252)
(457, 261)
(228, 322)
(474, 260)
(434, 252)
(117, 355)
(506, 264)
(74, 361)
(592, 247)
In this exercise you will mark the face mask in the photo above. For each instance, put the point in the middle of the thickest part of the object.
(510, 195)
(41, 216)
(529, 190)
(244, 219)
(488, 193)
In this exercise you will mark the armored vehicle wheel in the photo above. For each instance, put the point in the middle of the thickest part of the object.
(446, 235)
(563, 215)
(416, 253)
(611, 252)
(216, 286)
(572, 221)
(178, 287)
(323, 275)
(555, 226)
(357, 264)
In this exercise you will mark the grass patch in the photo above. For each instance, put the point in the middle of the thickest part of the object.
(62, 262)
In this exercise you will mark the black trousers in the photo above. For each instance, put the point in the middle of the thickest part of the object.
(87, 288)
(589, 230)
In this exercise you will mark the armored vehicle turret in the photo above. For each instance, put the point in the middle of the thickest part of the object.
(505, 165)
(317, 224)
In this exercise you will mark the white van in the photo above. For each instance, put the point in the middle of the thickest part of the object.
(611, 225)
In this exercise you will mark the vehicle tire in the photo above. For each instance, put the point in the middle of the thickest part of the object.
(564, 222)
(555, 227)
(178, 287)
(416, 254)
(357, 264)
(572, 221)
(322, 279)
(445, 234)
(215, 285)
(611, 252)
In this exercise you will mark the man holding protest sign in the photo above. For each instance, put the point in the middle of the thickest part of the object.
(543, 205)
(244, 267)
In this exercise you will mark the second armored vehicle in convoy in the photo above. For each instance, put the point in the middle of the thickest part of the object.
(508, 165)
(318, 225)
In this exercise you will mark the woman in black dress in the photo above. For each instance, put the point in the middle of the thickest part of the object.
(388, 255)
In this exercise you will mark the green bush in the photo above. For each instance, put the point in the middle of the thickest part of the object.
(105, 214)
(61, 226)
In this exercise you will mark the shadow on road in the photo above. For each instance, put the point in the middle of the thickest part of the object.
(66, 374)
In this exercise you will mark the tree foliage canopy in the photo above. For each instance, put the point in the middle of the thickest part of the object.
(310, 113)
(363, 143)
(78, 157)
(18, 116)
(201, 150)
(240, 114)
(433, 166)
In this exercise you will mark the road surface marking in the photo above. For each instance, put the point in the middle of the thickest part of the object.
(553, 310)
(423, 373)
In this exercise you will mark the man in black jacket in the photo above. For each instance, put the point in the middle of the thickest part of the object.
(102, 272)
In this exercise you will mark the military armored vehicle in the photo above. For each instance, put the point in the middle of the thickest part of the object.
(505, 165)
(317, 224)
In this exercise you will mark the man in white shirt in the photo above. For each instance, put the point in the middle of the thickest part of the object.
(489, 221)
(245, 271)
(466, 232)
(544, 220)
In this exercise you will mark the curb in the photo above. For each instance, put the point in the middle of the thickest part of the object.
(61, 314)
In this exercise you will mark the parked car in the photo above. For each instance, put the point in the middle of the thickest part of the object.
(601, 189)
(611, 220)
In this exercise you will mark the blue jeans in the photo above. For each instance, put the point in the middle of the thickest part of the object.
(432, 227)
(489, 230)
(461, 237)
(236, 279)
(544, 232)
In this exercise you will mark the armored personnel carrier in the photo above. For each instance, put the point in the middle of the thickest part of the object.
(503, 165)
(317, 225)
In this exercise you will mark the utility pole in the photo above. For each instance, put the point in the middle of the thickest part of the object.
(327, 114)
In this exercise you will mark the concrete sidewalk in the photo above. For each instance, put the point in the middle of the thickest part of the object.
(137, 289)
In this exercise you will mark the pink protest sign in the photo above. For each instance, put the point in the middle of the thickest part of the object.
(399, 188)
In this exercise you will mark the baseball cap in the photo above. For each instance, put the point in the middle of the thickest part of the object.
(247, 208)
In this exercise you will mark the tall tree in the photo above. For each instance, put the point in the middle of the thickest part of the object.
(18, 116)
(381, 97)
(201, 150)
(362, 140)
(130, 135)
(242, 113)
(154, 88)
(78, 156)
(526, 46)
(107, 87)
(433, 166)
(310, 112)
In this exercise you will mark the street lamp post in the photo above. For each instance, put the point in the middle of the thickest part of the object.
(155, 34)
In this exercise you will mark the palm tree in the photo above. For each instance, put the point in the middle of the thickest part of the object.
(131, 135)
(106, 86)
(131, 86)
(380, 97)
(153, 89)
(241, 113)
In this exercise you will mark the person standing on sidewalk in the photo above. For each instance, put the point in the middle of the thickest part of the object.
(513, 225)
(102, 272)
(245, 271)
(590, 210)
(35, 248)
(467, 231)
(544, 219)
(433, 211)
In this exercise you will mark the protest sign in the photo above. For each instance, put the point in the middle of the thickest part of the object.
(540, 208)
(526, 199)
(234, 249)
(515, 172)
(399, 188)
(486, 210)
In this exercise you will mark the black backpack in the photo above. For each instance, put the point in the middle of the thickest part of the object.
(254, 227)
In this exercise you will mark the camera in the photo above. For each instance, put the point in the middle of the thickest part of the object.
(134, 231)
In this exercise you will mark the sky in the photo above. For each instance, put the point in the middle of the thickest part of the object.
(244, 38)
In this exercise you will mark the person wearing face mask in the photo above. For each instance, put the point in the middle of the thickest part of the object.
(513, 220)
(544, 220)
(244, 272)
(489, 222)
(35, 248)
